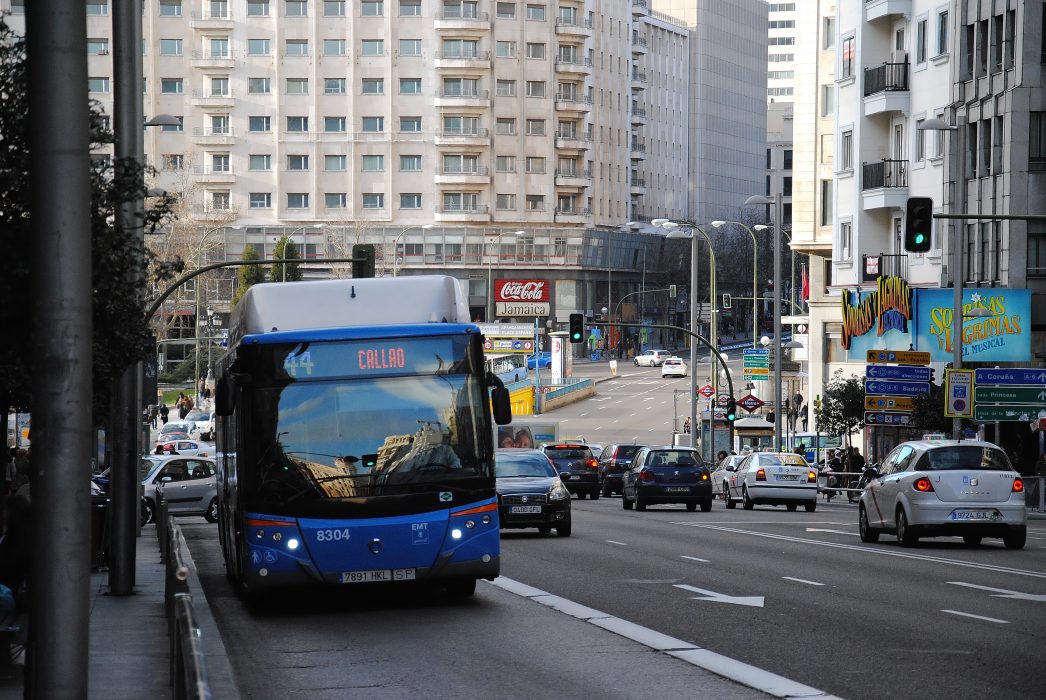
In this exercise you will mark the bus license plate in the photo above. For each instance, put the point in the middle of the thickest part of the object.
(524, 509)
(377, 576)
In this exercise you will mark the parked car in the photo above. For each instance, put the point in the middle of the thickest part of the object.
(176, 426)
(188, 484)
(722, 472)
(530, 492)
(540, 361)
(673, 367)
(666, 475)
(613, 462)
(773, 478)
(964, 489)
(181, 447)
(203, 424)
(578, 469)
(651, 358)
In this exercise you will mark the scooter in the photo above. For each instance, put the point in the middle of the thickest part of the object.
(870, 472)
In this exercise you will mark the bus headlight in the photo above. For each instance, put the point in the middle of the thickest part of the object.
(455, 534)
(292, 544)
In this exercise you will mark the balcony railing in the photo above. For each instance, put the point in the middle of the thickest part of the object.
(638, 182)
(463, 209)
(580, 23)
(464, 16)
(481, 170)
(573, 97)
(638, 112)
(639, 41)
(463, 55)
(885, 173)
(202, 131)
(888, 265)
(639, 146)
(587, 174)
(475, 133)
(584, 62)
(884, 78)
(573, 211)
(639, 75)
(207, 94)
(465, 94)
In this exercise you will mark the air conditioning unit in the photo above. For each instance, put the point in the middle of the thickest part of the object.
(898, 56)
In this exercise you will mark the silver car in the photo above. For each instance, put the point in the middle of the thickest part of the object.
(188, 484)
(964, 488)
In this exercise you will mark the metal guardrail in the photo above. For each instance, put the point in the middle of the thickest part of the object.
(570, 385)
(187, 666)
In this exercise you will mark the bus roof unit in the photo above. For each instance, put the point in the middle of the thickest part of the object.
(293, 306)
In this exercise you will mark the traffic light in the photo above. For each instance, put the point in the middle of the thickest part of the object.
(918, 224)
(577, 328)
(726, 300)
(731, 409)
(363, 265)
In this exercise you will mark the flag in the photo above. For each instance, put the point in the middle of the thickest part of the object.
(806, 285)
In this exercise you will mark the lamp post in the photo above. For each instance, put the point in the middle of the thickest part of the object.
(283, 266)
(197, 315)
(755, 276)
(791, 292)
(759, 199)
(957, 206)
(490, 271)
(396, 246)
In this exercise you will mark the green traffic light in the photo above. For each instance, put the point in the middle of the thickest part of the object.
(919, 238)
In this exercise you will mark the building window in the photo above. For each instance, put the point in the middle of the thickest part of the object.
(845, 240)
(505, 49)
(460, 201)
(826, 202)
(506, 10)
(769, 159)
(506, 88)
(335, 200)
(258, 47)
(297, 47)
(535, 127)
(535, 165)
(848, 55)
(372, 8)
(297, 86)
(97, 46)
(170, 47)
(173, 161)
(297, 8)
(168, 8)
(171, 86)
(335, 163)
(846, 148)
(410, 125)
(536, 88)
(257, 8)
(218, 47)
(372, 164)
(505, 164)
(410, 8)
(942, 33)
(920, 41)
(334, 124)
(920, 142)
(410, 86)
(1011, 38)
(536, 13)
(373, 125)
(1037, 141)
(996, 43)
(220, 201)
(535, 50)
(410, 200)
(535, 202)
(98, 84)
(410, 47)
(506, 126)
(259, 86)
(786, 187)
(334, 86)
(297, 200)
(827, 100)
(373, 86)
(259, 161)
(260, 200)
(1036, 249)
(373, 47)
(297, 163)
(829, 33)
(333, 47)
(259, 124)
(410, 164)
(97, 8)
(333, 8)
(297, 124)
(505, 201)
(373, 200)
(787, 159)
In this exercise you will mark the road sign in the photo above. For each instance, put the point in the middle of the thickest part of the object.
(1010, 377)
(760, 373)
(888, 403)
(903, 357)
(909, 374)
(756, 361)
(887, 418)
(723, 399)
(756, 351)
(751, 403)
(898, 388)
(958, 395)
(1010, 394)
(707, 391)
(1009, 413)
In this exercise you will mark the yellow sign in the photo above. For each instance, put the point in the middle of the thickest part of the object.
(888, 403)
(902, 357)
(757, 370)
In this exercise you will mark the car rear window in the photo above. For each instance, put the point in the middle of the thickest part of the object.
(673, 458)
(626, 451)
(964, 457)
(567, 453)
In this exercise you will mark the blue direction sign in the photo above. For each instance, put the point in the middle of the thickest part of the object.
(1010, 377)
(757, 351)
(887, 418)
(897, 388)
(911, 374)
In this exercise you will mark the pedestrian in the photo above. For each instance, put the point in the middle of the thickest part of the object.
(855, 463)
(720, 456)
(164, 413)
(686, 425)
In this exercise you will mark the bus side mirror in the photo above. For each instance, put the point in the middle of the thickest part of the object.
(502, 405)
(224, 396)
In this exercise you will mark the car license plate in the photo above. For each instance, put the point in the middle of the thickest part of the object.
(524, 509)
(677, 489)
(788, 477)
(963, 515)
(377, 575)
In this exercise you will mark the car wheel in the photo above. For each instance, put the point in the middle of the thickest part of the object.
(625, 503)
(148, 511)
(811, 506)
(746, 501)
(791, 507)
(563, 529)
(706, 506)
(972, 540)
(1015, 538)
(545, 529)
(691, 505)
(905, 533)
(594, 495)
(640, 506)
(635, 362)
(461, 587)
(212, 511)
(868, 533)
(730, 503)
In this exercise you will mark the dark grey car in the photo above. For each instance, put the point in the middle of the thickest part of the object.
(578, 469)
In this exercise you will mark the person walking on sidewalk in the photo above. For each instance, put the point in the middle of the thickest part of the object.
(164, 413)
(686, 425)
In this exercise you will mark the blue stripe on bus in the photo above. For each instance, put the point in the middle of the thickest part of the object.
(419, 330)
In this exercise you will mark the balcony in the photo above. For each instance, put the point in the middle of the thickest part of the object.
(211, 176)
(205, 20)
(886, 264)
(638, 116)
(212, 137)
(463, 213)
(480, 59)
(637, 186)
(567, 102)
(479, 99)
(573, 216)
(204, 98)
(580, 28)
(638, 80)
(886, 89)
(638, 150)
(206, 59)
(884, 185)
(640, 8)
(639, 46)
(480, 175)
(574, 66)
(573, 178)
(454, 21)
(573, 142)
(882, 9)
(463, 137)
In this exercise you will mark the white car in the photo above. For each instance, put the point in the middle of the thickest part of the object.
(203, 424)
(673, 367)
(964, 488)
(772, 478)
(722, 472)
(651, 358)
(176, 426)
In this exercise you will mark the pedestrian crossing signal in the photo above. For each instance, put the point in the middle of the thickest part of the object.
(577, 328)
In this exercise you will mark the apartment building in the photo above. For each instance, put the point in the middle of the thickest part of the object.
(780, 99)
(780, 55)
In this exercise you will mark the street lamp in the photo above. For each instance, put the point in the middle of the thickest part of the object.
(755, 276)
(490, 271)
(795, 307)
(396, 245)
(283, 266)
(761, 200)
(197, 317)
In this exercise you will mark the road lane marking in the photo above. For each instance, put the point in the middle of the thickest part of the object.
(1002, 592)
(838, 532)
(754, 601)
(618, 543)
(872, 550)
(802, 580)
(976, 617)
(738, 671)
(683, 556)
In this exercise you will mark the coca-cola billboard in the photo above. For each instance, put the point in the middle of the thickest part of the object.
(522, 290)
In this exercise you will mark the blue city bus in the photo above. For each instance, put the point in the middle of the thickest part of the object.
(354, 437)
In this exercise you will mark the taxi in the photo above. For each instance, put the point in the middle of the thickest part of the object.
(772, 478)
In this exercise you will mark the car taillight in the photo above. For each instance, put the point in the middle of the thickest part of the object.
(646, 476)
(760, 475)
(811, 477)
(1018, 485)
(593, 464)
(923, 485)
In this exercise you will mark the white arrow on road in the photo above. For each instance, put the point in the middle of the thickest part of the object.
(1002, 592)
(753, 601)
